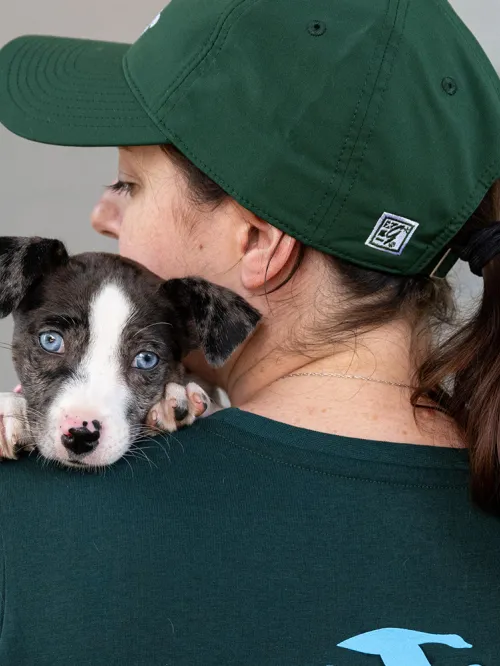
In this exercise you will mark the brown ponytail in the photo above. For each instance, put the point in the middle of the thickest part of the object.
(470, 362)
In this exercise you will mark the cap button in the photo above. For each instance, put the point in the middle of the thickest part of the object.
(316, 28)
(449, 85)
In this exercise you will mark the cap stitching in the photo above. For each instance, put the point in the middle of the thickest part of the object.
(329, 183)
(50, 47)
(77, 50)
(17, 63)
(29, 111)
(68, 47)
(192, 65)
(82, 76)
(383, 91)
(63, 59)
(202, 64)
(38, 72)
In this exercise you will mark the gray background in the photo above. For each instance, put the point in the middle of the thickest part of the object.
(50, 191)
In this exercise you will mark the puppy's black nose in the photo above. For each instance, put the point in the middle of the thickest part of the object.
(82, 440)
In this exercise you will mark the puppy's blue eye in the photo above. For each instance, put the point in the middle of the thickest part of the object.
(145, 361)
(52, 342)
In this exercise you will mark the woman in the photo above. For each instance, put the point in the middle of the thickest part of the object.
(329, 162)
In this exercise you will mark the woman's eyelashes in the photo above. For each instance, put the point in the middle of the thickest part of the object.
(122, 187)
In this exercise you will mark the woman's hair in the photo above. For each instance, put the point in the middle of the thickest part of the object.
(460, 373)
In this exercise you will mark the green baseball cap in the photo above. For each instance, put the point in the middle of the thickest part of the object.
(368, 129)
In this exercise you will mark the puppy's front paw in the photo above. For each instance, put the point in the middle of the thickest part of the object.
(180, 407)
(13, 424)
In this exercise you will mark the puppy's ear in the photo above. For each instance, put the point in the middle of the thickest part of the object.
(211, 318)
(22, 262)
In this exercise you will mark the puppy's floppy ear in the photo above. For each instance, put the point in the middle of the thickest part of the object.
(22, 262)
(211, 318)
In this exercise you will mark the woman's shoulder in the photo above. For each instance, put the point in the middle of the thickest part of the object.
(164, 455)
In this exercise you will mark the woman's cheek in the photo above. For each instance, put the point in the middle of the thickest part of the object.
(158, 254)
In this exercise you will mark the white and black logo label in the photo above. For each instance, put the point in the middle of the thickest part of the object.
(391, 234)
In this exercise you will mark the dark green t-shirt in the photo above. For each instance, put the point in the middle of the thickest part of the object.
(243, 541)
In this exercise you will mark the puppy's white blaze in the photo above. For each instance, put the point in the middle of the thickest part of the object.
(99, 391)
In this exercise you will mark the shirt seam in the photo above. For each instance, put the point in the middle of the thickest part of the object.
(307, 468)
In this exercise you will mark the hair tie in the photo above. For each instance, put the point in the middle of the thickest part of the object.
(481, 248)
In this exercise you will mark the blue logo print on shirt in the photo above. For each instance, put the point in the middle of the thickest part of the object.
(401, 646)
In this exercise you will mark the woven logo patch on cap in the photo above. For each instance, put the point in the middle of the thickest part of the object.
(391, 234)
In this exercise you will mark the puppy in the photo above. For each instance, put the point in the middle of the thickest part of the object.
(98, 347)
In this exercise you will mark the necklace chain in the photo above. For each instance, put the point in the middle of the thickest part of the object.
(341, 376)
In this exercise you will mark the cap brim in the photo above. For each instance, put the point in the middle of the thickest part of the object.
(71, 92)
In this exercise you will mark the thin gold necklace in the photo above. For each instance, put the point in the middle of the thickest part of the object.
(341, 376)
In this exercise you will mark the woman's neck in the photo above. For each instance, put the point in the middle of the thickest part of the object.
(258, 382)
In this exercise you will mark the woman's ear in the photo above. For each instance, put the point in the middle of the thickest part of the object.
(267, 251)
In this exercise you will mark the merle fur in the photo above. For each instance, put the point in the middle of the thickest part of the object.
(45, 289)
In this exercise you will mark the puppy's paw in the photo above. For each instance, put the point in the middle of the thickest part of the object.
(180, 407)
(14, 430)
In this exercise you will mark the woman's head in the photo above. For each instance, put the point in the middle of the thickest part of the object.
(166, 214)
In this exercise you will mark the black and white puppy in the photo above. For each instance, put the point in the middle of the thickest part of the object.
(98, 344)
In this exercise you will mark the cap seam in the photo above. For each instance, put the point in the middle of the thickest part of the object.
(191, 66)
(200, 67)
(139, 96)
(335, 171)
(377, 111)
